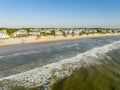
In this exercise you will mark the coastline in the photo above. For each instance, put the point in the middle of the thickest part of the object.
(47, 39)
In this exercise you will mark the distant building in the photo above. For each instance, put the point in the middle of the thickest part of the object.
(3, 34)
(76, 32)
(48, 31)
(34, 32)
(58, 32)
(20, 33)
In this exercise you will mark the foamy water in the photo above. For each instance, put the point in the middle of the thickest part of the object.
(58, 70)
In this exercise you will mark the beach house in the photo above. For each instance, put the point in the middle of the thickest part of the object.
(58, 32)
(117, 30)
(3, 34)
(48, 31)
(76, 32)
(34, 32)
(20, 32)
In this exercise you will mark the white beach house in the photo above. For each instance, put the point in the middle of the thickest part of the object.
(20, 33)
(76, 32)
(58, 32)
(48, 31)
(3, 34)
(34, 32)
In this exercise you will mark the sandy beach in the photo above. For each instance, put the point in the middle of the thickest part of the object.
(46, 39)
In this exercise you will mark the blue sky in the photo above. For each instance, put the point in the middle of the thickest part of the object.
(60, 13)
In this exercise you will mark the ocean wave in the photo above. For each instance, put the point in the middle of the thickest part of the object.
(47, 74)
(17, 54)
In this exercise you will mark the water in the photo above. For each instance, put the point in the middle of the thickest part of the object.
(98, 77)
(96, 74)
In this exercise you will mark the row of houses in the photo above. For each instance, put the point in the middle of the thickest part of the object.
(56, 31)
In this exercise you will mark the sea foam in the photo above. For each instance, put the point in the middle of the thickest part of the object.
(47, 74)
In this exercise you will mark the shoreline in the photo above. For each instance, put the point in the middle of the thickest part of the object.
(47, 39)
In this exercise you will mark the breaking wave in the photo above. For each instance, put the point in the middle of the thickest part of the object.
(48, 74)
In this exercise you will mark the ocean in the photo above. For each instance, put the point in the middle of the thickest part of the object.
(85, 64)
